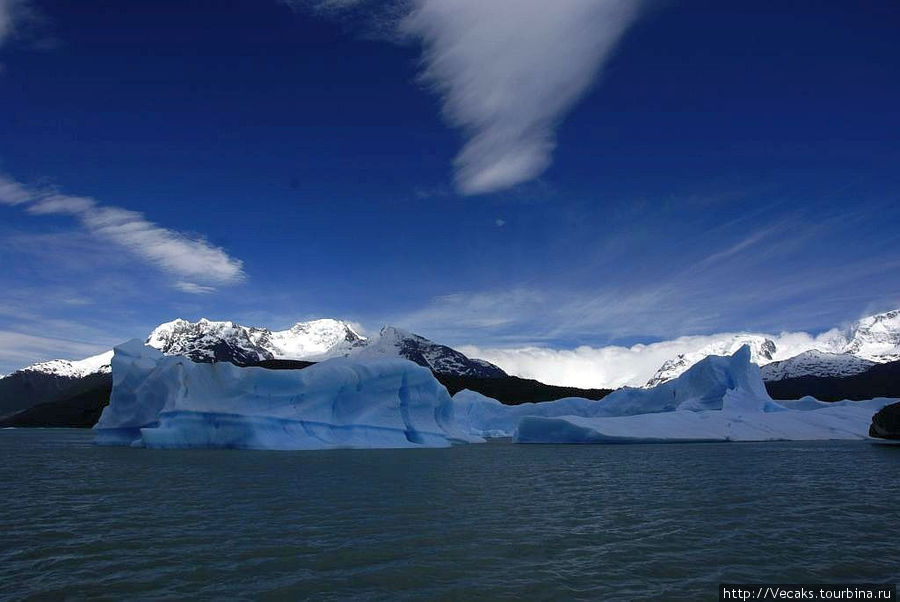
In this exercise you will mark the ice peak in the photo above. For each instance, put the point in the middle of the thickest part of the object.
(743, 354)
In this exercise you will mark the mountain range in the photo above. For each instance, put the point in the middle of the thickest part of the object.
(313, 341)
(836, 353)
(854, 362)
(58, 381)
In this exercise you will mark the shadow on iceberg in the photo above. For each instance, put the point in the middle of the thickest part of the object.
(162, 401)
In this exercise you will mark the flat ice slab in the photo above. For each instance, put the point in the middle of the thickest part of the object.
(171, 402)
(845, 421)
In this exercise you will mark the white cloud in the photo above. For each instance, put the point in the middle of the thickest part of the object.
(199, 265)
(13, 193)
(507, 71)
(18, 350)
(194, 289)
(532, 315)
(60, 203)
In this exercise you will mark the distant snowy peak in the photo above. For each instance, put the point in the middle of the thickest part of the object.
(871, 340)
(96, 364)
(317, 339)
(440, 358)
(816, 363)
(762, 350)
(876, 338)
(206, 340)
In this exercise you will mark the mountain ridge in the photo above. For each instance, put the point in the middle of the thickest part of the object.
(225, 341)
(870, 340)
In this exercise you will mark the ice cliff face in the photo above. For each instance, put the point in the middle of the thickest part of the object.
(172, 402)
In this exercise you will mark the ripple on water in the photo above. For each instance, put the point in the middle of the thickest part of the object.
(495, 520)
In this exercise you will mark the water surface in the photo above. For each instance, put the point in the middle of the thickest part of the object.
(482, 521)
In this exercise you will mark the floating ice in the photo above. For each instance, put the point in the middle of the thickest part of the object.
(717, 399)
(485, 417)
(848, 421)
(170, 401)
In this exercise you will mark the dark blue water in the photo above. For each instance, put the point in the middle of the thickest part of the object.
(483, 521)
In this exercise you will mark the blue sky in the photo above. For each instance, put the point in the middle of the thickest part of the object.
(485, 174)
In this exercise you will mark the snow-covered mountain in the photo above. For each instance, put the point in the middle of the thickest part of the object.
(815, 363)
(211, 341)
(876, 338)
(440, 358)
(206, 341)
(317, 340)
(49, 381)
(96, 364)
(839, 352)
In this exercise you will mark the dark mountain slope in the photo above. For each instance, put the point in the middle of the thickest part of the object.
(27, 388)
(513, 390)
(80, 410)
(881, 380)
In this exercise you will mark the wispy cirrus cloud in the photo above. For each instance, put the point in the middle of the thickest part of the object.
(194, 289)
(8, 9)
(525, 331)
(18, 349)
(506, 71)
(198, 265)
(768, 279)
(22, 21)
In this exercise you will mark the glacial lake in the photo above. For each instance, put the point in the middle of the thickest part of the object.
(493, 521)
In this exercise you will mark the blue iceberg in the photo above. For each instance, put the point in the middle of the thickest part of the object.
(721, 398)
(171, 402)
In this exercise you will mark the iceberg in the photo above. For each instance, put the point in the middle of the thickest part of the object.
(162, 401)
(721, 398)
(848, 421)
(483, 416)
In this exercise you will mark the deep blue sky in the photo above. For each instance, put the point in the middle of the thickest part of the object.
(737, 166)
